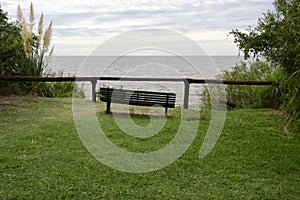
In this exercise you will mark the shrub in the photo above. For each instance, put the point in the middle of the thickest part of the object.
(244, 96)
(277, 38)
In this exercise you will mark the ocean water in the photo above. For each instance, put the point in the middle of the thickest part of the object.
(201, 67)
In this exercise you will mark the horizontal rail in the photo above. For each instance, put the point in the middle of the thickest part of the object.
(231, 82)
(187, 82)
(92, 79)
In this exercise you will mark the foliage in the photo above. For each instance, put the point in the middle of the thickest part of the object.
(61, 89)
(252, 96)
(277, 38)
(244, 96)
(213, 97)
(25, 53)
(56, 89)
(12, 57)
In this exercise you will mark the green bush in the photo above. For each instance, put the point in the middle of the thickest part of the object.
(55, 89)
(277, 38)
(244, 96)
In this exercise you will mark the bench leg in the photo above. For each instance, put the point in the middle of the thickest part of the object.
(108, 107)
(166, 111)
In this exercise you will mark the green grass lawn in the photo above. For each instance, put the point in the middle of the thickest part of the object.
(42, 157)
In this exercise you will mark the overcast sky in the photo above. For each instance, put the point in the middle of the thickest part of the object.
(79, 26)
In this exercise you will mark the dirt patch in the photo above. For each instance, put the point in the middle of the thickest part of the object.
(277, 112)
(11, 99)
(197, 119)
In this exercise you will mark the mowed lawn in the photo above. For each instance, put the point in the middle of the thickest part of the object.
(42, 157)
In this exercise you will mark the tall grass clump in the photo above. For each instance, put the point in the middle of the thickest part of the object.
(36, 42)
(32, 43)
(26, 50)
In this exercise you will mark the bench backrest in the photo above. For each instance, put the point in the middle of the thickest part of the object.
(140, 98)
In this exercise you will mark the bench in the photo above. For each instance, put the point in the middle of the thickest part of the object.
(137, 98)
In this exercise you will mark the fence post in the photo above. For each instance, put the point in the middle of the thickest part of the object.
(94, 83)
(186, 94)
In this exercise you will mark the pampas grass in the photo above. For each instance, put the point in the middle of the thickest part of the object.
(47, 37)
(36, 45)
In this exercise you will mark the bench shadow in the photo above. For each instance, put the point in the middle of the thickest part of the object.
(157, 116)
(140, 115)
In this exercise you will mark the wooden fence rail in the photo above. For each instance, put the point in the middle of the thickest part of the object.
(94, 80)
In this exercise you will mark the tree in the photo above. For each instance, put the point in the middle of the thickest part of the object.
(277, 38)
(12, 57)
(36, 45)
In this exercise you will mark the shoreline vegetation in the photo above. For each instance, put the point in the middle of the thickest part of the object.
(27, 50)
(254, 158)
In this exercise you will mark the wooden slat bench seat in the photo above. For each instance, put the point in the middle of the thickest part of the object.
(135, 97)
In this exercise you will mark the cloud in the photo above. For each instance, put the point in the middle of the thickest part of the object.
(74, 19)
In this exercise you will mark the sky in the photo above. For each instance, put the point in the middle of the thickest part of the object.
(80, 26)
